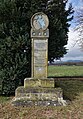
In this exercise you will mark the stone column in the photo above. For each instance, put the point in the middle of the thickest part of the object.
(39, 38)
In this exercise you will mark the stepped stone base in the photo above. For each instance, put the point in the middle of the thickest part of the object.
(38, 92)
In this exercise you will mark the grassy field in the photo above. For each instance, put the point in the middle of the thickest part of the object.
(65, 71)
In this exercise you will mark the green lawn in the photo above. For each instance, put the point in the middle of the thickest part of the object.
(71, 88)
(54, 70)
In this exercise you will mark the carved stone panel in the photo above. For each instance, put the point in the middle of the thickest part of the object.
(40, 50)
(40, 45)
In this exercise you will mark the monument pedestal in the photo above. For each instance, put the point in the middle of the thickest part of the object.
(38, 92)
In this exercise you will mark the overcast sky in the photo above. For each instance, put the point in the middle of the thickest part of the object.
(74, 52)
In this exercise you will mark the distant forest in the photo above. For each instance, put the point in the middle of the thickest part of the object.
(68, 63)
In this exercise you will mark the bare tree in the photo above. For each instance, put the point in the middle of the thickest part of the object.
(79, 27)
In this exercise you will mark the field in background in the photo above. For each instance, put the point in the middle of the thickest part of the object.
(61, 71)
(64, 70)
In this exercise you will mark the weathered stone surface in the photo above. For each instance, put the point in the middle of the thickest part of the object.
(36, 33)
(24, 102)
(37, 53)
(39, 58)
(40, 61)
(37, 96)
(40, 71)
(38, 93)
(35, 82)
(40, 44)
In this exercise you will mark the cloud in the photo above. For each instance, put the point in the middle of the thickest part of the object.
(72, 38)
(74, 52)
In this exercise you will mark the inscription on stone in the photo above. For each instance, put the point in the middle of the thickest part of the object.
(40, 57)
(40, 61)
(40, 54)
(40, 44)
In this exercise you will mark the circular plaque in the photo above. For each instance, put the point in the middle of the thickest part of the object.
(39, 21)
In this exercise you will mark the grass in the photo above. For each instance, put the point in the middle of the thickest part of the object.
(4, 99)
(70, 88)
(65, 71)
(73, 111)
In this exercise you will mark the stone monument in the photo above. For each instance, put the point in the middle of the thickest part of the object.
(39, 90)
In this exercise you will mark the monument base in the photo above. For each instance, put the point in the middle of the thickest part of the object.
(38, 92)
(39, 82)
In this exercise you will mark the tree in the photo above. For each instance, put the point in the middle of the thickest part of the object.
(14, 47)
(79, 27)
(59, 18)
(15, 43)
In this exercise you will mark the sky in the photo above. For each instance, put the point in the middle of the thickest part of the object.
(74, 52)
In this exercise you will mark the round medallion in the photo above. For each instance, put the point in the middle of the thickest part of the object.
(39, 21)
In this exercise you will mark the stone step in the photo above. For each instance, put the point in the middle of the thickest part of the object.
(41, 82)
(24, 102)
(37, 96)
(25, 92)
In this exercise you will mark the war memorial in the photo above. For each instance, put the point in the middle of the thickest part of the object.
(39, 89)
